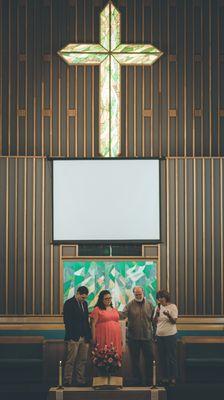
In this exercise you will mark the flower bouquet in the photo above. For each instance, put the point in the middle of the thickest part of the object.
(107, 360)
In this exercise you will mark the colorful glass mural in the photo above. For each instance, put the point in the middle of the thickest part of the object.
(110, 54)
(118, 276)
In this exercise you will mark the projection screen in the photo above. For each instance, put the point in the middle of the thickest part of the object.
(106, 200)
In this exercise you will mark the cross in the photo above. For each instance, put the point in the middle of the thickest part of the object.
(110, 54)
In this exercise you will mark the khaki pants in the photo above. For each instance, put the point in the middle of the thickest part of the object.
(76, 358)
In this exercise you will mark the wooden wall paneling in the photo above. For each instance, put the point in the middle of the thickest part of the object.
(206, 32)
(168, 82)
(80, 111)
(56, 280)
(1, 93)
(38, 83)
(163, 112)
(208, 235)
(15, 216)
(89, 90)
(21, 245)
(198, 79)
(143, 115)
(148, 82)
(186, 220)
(64, 137)
(38, 237)
(11, 236)
(222, 233)
(92, 112)
(177, 231)
(191, 237)
(216, 237)
(34, 238)
(48, 262)
(76, 119)
(52, 279)
(46, 107)
(3, 209)
(84, 112)
(134, 108)
(213, 70)
(154, 80)
(7, 236)
(70, 82)
(172, 227)
(30, 76)
(35, 23)
(25, 236)
(29, 228)
(180, 222)
(221, 75)
(180, 79)
(173, 80)
(213, 240)
(9, 80)
(38, 116)
(164, 217)
(188, 80)
(67, 111)
(168, 225)
(43, 193)
(198, 244)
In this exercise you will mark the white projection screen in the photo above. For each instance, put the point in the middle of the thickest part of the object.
(106, 200)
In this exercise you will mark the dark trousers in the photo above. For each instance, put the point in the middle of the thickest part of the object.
(135, 348)
(167, 351)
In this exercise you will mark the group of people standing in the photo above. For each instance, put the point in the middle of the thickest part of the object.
(146, 326)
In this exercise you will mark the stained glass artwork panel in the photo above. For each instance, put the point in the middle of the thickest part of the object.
(109, 54)
(118, 276)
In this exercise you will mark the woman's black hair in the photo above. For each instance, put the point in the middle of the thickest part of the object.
(100, 302)
(163, 293)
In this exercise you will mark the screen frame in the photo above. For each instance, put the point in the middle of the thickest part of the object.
(123, 241)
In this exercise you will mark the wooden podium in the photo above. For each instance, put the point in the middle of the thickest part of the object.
(88, 393)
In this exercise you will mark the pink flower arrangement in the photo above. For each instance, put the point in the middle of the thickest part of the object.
(106, 358)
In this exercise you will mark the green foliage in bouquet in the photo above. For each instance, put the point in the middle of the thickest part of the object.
(106, 359)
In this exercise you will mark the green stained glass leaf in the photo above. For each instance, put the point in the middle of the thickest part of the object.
(137, 48)
(105, 27)
(115, 27)
(104, 102)
(136, 59)
(83, 59)
(80, 48)
(115, 107)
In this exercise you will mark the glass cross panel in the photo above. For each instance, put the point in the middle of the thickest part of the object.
(110, 54)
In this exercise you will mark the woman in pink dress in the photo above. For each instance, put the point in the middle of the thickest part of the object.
(105, 323)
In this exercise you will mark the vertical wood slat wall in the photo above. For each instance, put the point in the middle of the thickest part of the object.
(191, 254)
(174, 109)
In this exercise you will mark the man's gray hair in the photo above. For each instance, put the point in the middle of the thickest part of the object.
(135, 287)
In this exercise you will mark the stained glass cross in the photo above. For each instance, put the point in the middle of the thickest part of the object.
(110, 54)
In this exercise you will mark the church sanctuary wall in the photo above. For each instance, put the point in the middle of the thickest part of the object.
(173, 109)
